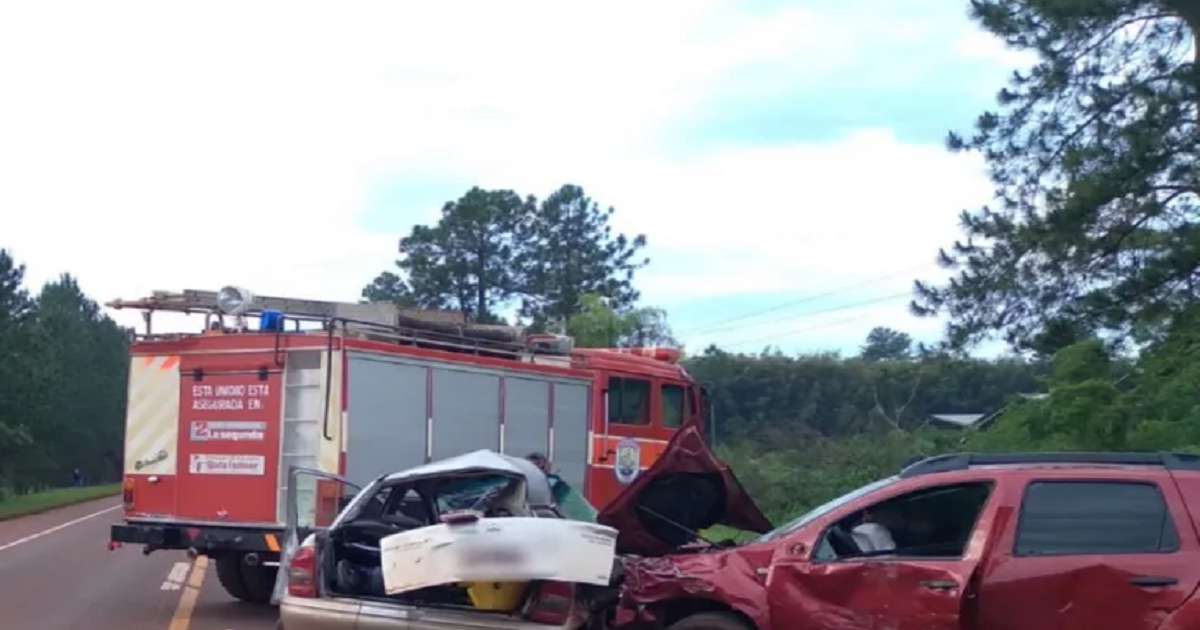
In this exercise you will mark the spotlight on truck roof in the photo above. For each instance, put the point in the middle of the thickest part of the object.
(234, 300)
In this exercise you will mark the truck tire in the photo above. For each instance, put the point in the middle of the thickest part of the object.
(229, 574)
(710, 621)
(259, 581)
(242, 581)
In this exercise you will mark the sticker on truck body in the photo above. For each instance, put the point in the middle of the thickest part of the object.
(211, 464)
(230, 397)
(228, 431)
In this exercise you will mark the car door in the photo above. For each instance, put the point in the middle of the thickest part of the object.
(811, 588)
(314, 499)
(1091, 549)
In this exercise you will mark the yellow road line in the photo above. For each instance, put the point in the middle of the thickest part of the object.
(187, 602)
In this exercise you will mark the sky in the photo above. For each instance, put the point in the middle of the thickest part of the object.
(785, 159)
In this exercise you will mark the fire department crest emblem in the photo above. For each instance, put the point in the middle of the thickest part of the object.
(629, 455)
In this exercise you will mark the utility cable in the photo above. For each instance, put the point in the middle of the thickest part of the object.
(721, 324)
(844, 307)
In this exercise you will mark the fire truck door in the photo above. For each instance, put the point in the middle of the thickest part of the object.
(229, 446)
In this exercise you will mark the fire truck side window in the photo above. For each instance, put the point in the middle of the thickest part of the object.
(674, 406)
(628, 401)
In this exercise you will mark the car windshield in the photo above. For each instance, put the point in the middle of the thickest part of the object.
(824, 508)
(464, 493)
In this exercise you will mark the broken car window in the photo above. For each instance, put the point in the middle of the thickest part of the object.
(466, 493)
(1094, 517)
(412, 505)
(570, 502)
(932, 522)
(824, 509)
(374, 508)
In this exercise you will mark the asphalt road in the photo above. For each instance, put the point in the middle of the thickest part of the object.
(56, 573)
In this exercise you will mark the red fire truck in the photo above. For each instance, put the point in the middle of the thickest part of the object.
(217, 418)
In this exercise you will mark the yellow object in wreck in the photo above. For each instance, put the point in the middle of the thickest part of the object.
(496, 596)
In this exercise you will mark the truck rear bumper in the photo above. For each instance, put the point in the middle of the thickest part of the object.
(206, 540)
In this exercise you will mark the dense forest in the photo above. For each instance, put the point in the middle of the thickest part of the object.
(62, 384)
(1087, 264)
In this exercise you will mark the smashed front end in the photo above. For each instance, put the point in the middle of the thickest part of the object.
(655, 592)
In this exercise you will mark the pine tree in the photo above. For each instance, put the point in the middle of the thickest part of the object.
(467, 261)
(1093, 153)
(569, 249)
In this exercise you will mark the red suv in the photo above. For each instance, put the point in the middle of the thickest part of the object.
(1031, 541)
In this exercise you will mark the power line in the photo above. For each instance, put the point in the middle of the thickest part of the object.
(844, 307)
(812, 298)
(797, 316)
(836, 322)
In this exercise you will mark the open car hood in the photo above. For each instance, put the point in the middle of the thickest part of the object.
(686, 490)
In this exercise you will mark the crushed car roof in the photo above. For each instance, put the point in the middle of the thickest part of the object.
(482, 461)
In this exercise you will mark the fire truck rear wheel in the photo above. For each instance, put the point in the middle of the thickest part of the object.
(229, 574)
(260, 582)
(244, 582)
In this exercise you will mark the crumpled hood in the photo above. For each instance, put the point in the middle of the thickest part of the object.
(686, 490)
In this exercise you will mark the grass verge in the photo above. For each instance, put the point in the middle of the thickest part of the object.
(37, 502)
(720, 533)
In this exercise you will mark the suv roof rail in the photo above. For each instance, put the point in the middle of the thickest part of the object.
(962, 461)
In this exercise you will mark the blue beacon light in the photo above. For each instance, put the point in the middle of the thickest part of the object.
(270, 320)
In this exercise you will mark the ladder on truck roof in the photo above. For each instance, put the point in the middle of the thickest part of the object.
(378, 321)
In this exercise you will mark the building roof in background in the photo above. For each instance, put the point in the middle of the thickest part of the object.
(959, 419)
(979, 420)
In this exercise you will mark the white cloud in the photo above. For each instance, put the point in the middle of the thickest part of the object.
(150, 145)
(983, 46)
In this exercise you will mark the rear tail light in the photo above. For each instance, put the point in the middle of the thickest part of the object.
(127, 492)
(460, 518)
(302, 572)
(552, 603)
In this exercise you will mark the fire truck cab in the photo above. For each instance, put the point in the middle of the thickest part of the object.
(218, 418)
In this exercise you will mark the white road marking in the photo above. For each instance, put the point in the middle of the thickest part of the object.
(38, 535)
(176, 576)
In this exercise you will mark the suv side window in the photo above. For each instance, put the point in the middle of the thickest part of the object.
(1094, 517)
(929, 522)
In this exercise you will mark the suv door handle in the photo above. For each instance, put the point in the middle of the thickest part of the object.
(939, 585)
(1153, 580)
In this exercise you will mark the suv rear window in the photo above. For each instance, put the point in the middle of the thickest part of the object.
(1094, 517)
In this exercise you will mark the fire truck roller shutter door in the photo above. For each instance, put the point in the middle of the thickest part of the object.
(569, 455)
(385, 416)
(466, 412)
(526, 416)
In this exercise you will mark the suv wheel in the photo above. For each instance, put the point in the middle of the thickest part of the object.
(710, 621)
